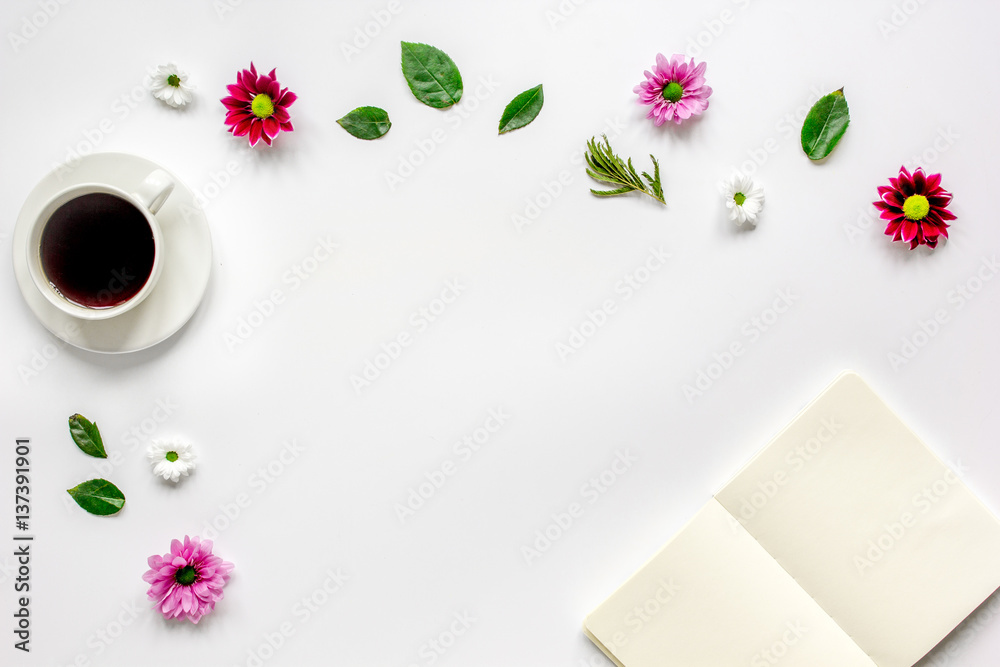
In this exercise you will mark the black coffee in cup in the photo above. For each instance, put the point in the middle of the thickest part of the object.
(97, 250)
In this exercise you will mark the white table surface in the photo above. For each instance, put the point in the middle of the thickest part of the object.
(924, 88)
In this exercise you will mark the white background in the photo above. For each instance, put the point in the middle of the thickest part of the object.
(856, 297)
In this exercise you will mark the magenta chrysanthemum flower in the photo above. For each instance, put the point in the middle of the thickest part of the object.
(258, 106)
(675, 89)
(188, 581)
(915, 208)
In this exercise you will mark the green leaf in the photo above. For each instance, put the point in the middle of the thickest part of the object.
(431, 74)
(366, 122)
(825, 125)
(522, 109)
(98, 496)
(603, 165)
(86, 436)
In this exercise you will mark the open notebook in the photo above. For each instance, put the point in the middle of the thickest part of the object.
(845, 542)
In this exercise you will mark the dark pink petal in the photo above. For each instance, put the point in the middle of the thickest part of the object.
(253, 70)
(233, 103)
(893, 198)
(263, 81)
(239, 92)
(243, 127)
(267, 139)
(909, 230)
(250, 82)
(287, 98)
(918, 181)
(906, 186)
(271, 127)
(946, 214)
(280, 115)
(236, 118)
(273, 90)
(287, 127)
(933, 181)
(256, 130)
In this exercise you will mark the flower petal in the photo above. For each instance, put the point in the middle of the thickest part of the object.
(239, 92)
(256, 130)
(271, 127)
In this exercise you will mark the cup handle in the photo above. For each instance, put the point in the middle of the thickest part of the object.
(154, 190)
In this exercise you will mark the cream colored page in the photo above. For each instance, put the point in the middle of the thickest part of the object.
(870, 523)
(712, 597)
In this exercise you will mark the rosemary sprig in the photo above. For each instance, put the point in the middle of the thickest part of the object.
(604, 165)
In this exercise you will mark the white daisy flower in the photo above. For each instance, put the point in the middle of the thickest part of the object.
(171, 459)
(170, 84)
(743, 197)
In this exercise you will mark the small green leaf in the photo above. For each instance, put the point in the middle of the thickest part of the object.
(432, 76)
(522, 109)
(825, 125)
(98, 496)
(86, 436)
(366, 122)
(603, 165)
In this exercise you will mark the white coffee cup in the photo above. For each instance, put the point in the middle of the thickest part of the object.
(87, 234)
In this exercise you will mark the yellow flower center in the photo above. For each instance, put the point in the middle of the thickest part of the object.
(262, 106)
(916, 207)
(739, 198)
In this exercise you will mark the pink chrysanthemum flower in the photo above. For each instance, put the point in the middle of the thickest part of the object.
(188, 581)
(258, 106)
(675, 89)
(915, 208)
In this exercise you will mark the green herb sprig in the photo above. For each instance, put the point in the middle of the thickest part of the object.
(603, 165)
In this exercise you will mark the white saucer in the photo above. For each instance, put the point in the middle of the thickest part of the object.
(187, 260)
